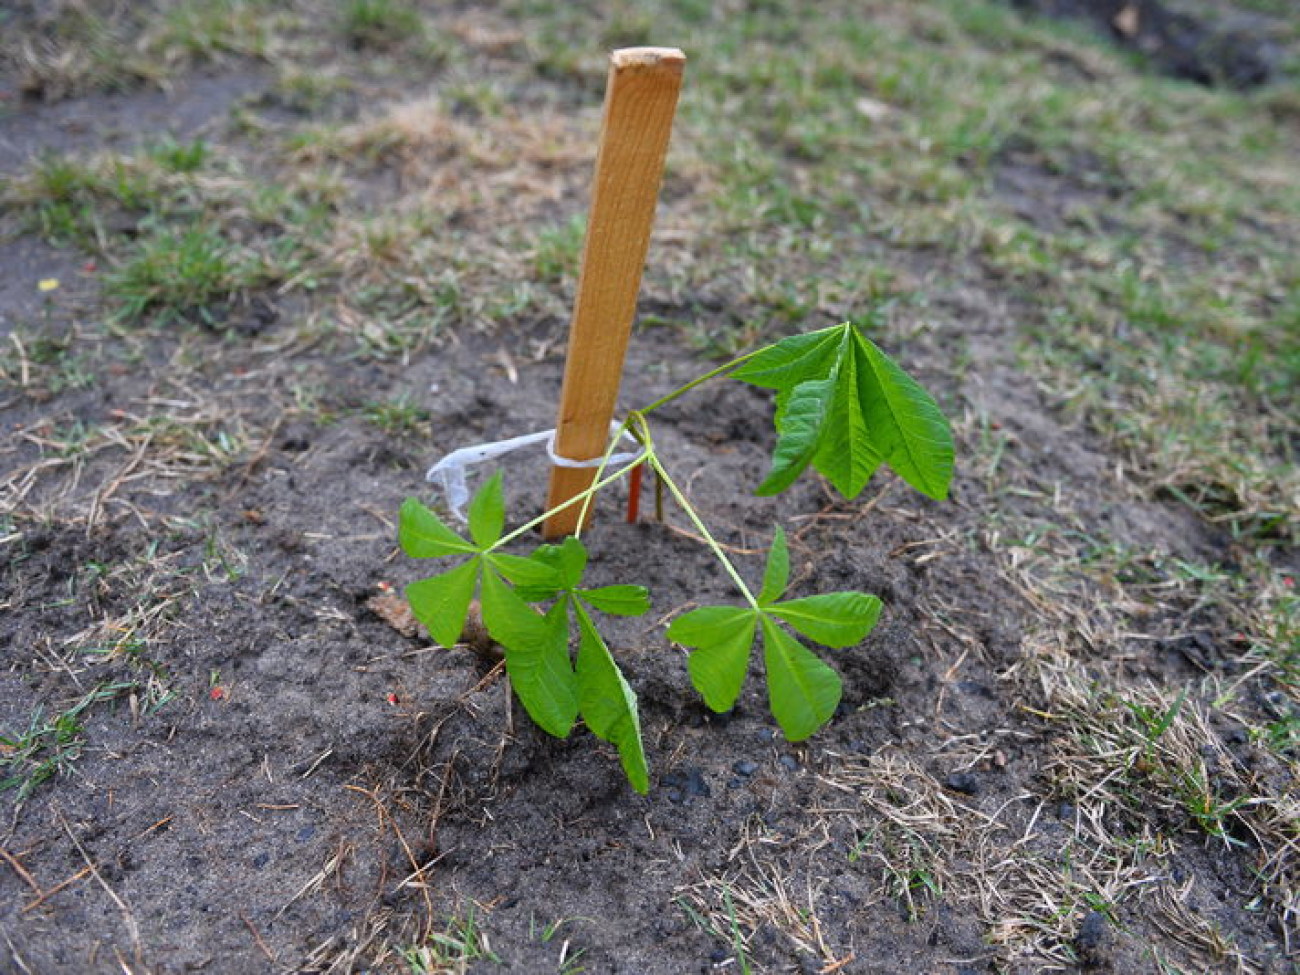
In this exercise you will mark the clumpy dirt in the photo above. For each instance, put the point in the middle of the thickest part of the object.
(320, 781)
(277, 778)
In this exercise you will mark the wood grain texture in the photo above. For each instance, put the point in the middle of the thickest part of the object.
(640, 101)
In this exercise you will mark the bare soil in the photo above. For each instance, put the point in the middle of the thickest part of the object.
(319, 789)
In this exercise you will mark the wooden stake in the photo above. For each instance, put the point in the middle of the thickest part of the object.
(640, 99)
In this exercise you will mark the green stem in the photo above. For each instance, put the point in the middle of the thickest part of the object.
(600, 470)
(700, 380)
(578, 498)
(699, 526)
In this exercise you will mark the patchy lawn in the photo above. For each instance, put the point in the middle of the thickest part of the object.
(265, 262)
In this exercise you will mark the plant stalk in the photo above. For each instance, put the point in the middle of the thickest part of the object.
(700, 380)
(582, 496)
(668, 482)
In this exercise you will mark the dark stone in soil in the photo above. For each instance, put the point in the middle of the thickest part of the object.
(296, 439)
(1094, 940)
(687, 784)
(964, 782)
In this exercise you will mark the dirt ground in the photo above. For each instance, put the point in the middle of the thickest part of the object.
(248, 767)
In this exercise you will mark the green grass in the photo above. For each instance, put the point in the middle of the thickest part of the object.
(451, 949)
(179, 157)
(179, 275)
(50, 743)
(400, 417)
(381, 24)
(206, 30)
(729, 933)
(558, 249)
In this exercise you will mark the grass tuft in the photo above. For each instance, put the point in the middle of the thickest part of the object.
(178, 275)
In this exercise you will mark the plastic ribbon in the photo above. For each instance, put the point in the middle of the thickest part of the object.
(449, 472)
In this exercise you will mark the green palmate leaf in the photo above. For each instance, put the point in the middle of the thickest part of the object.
(847, 453)
(905, 424)
(487, 512)
(569, 559)
(793, 360)
(529, 572)
(537, 655)
(834, 619)
(722, 637)
(777, 574)
(423, 535)
(441, 602)
(845, 407)
(802, 691)
(800, 427)
(617, 600)
(607, 702)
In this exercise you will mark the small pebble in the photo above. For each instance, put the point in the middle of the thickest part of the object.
(695, 784)
(686, 783)
(1093, 939)
(745, 767)
(963, 782)
(261, 860)
(789, 762)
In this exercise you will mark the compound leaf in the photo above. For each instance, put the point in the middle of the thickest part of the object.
(833, 619)
(423, 535)
(903, 422)
(794, 360)
(608, 704)
(487, 513)
(722, 637)
(799, 426)
(845, 407)
(530, 572)
(802, 691)
(441, 602)
(777, 573)
(537, 654)
(617, 600)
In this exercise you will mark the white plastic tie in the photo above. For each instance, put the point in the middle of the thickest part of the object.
(450, 472)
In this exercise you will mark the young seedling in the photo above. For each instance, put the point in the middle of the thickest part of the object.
(842, 407)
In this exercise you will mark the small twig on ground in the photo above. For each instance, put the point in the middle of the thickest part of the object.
(55, 889)
(21, 871)
(418, 868)
(270, 955)
(128, 918)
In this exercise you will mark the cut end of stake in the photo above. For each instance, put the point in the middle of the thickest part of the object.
(659, 58)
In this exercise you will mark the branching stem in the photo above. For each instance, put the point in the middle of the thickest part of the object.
(653, 460)
(596, 486)
(726, 367)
